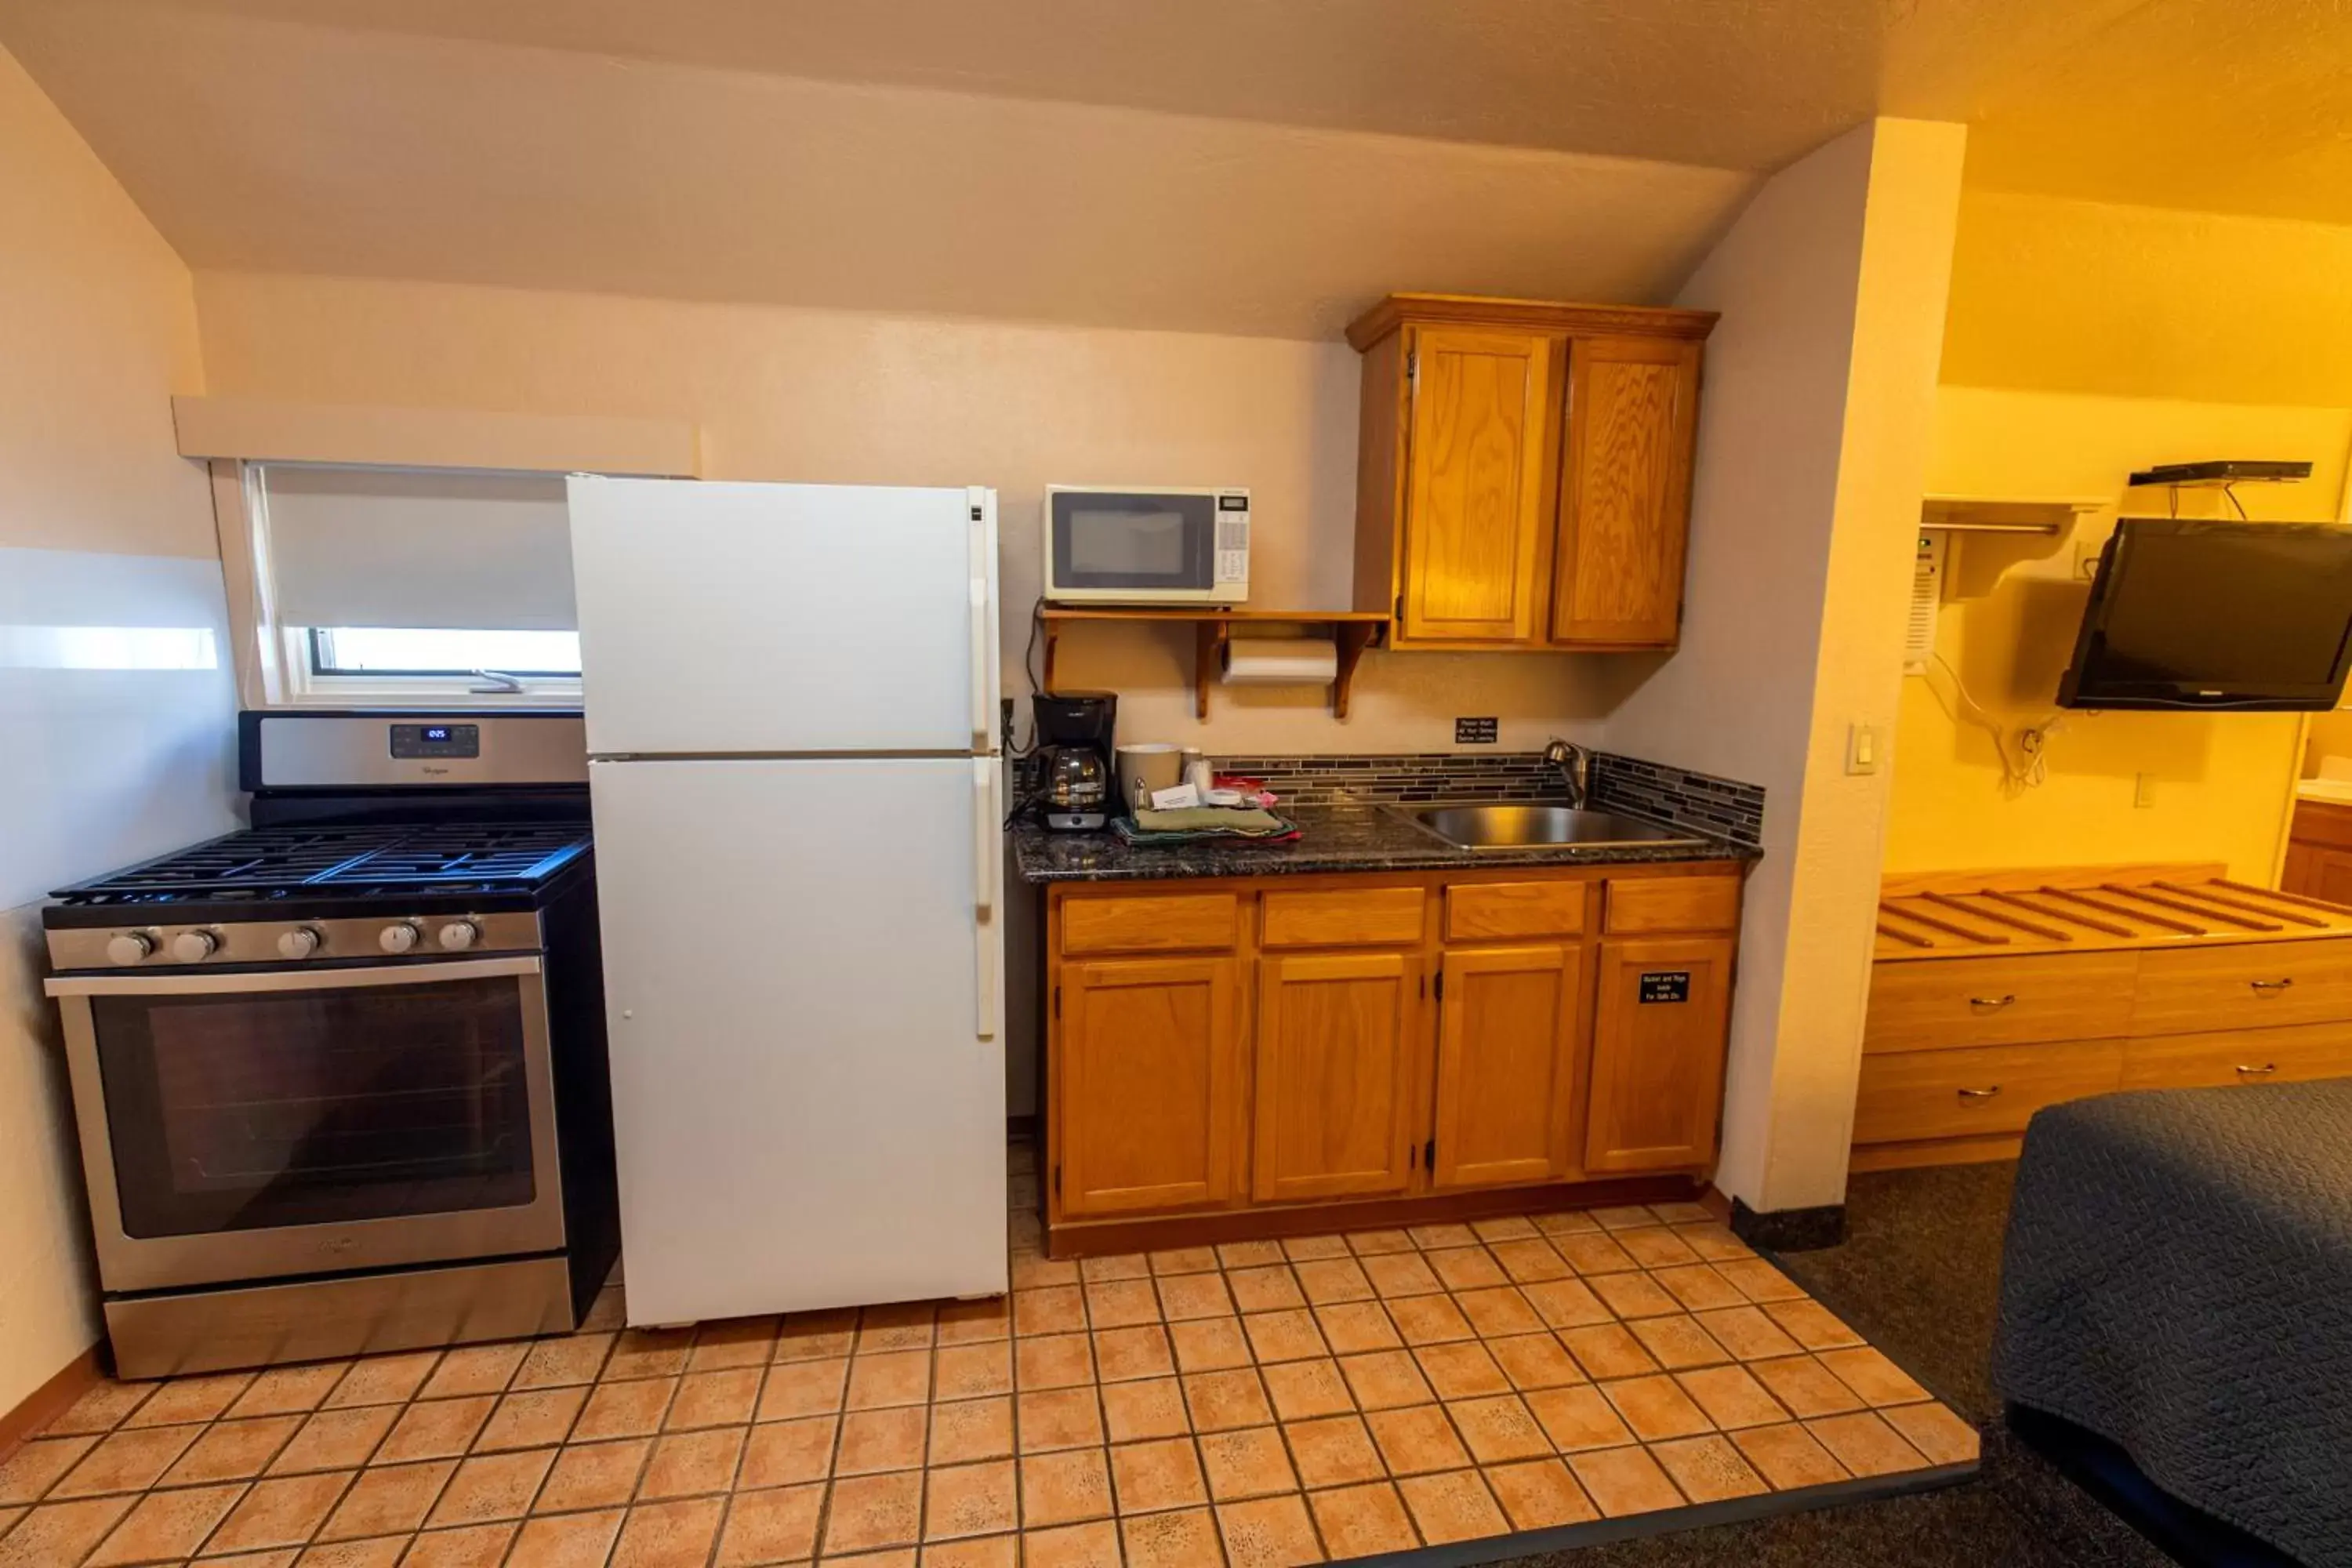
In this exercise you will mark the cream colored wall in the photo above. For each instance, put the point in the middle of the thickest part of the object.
(101, 523)
(2129, 302)
(1812, 453)
(830, 396)
(2219, 783)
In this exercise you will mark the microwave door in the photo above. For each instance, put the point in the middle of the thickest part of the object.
(1138, 547)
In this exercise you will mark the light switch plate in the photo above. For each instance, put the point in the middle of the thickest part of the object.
(2143, 789)
(1863, 742)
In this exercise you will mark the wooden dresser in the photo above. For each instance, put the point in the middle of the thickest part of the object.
(1995, 994)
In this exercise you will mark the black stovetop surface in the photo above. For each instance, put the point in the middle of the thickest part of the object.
(346, 863)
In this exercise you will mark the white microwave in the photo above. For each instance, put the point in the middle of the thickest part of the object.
(1136, 546)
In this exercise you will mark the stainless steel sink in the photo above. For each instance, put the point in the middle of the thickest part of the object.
(1531, 827)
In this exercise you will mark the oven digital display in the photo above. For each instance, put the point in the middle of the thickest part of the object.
(431, 740)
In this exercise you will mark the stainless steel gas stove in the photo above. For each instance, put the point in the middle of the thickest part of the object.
(339, 1079)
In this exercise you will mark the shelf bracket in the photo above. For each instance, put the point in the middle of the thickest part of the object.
(1353, 639)
(1209, 648)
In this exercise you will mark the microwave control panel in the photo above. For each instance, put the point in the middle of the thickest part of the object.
(1232, 536)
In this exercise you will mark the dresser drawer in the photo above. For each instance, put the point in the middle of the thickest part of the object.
(1503, 911)
(2243, 985)
(2289, 1055)
(1151, 922)
(1985, 1090)
(1933, 1005)
(1643, 904)
(1354, 917)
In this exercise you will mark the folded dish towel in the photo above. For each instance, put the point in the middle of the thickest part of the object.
(1196, 823)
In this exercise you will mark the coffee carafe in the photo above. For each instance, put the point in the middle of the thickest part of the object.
(1074, 737)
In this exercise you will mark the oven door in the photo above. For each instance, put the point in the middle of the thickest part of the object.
(250, 1125)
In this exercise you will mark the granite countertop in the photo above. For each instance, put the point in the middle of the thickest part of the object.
(1332, 838)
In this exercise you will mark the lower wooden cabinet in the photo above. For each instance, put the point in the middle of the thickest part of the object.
(1149, 1083)
(1506, 1045)
(1335, 1075)
(1659, 1024)
(2319, 851)
(1400, 1043)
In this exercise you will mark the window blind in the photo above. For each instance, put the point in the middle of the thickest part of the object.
(410, 547)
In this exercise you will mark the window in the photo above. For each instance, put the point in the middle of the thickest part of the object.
(435, 650)
(396, 585)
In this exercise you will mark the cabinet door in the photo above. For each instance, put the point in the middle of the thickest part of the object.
(1334, 1075)
(1658, 1054)
(1625, 496)
(1506, 1064)
(1476, 491)
(2318, 871)
(1149, 1081)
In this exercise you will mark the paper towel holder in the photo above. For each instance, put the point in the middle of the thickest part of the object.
(1352, 630)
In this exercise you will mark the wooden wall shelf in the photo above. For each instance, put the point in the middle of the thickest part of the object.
(2006, 514)
(1353, 630)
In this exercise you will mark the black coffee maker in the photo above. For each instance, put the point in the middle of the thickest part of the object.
(1074, 733)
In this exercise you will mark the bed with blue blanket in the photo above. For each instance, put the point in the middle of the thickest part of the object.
(2178, 1281)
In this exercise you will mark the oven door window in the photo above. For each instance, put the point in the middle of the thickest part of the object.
(1134, 542)
(248, 1111)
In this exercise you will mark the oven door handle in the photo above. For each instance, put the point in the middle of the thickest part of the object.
(199, 983)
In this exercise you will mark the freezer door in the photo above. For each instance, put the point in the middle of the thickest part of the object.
(803, 976)
(741, 620)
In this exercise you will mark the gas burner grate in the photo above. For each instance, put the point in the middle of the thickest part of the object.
(276, 862)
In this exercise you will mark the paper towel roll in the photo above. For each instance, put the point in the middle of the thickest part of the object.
(1281, 661)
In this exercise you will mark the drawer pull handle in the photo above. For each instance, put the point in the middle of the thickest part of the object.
(2270, 985)
(1980, 1093)
(2262, 1071)
(1992, 1001)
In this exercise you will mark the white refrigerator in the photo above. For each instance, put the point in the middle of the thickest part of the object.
(792, 718)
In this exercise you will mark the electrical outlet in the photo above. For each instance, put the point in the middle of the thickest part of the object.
(1863, 742)
(2143, 790)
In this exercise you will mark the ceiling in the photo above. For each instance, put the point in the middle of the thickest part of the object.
(1246, 165)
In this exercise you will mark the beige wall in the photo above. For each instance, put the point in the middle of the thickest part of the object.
(830, 396)
(100, 523)
(2217, 784)
(2154, 302)
(838, 397)
(1813, 453)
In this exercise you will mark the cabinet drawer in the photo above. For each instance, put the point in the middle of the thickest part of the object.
(1161, 922)
(1941, 1004)
(2243, 985)
(2289, 1055)
(1978, 1092)
(1484, 912)
(1639, 904)
(1367, 917)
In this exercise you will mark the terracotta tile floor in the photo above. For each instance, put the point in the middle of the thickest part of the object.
(1253, 1404)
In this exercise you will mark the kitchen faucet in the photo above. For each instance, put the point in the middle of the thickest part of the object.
(1575, 765)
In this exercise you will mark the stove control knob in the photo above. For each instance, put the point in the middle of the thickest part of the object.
(194, 946)
(459, 935)
(401, 937)
(130, 947)
(300, 942)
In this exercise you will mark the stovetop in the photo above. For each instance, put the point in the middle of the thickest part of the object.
(389, 862)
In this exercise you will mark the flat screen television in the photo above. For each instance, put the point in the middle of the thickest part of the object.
(2189, 613)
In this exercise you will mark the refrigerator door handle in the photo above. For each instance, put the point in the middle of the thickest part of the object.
(987, 867)
(982, 547)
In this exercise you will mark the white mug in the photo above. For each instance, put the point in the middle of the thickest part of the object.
(1146, 766)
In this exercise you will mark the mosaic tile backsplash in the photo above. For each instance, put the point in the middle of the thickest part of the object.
(1654, 790)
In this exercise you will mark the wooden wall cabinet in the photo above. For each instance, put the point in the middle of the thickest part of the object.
(1236, 1058)
(1523, 475)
